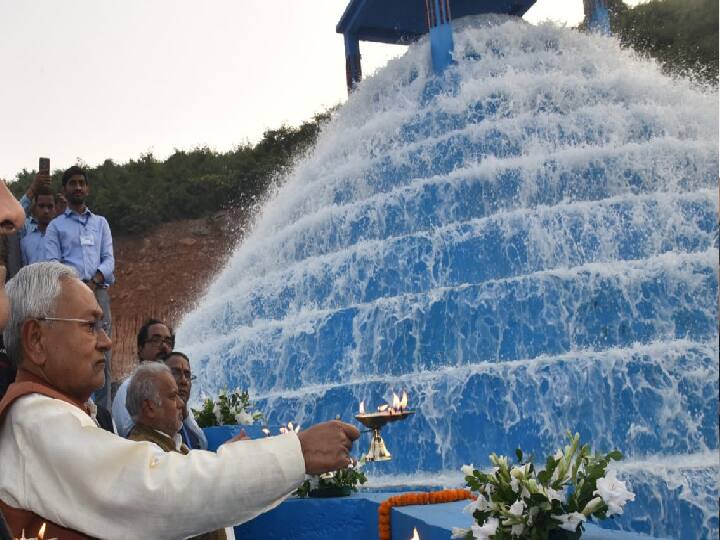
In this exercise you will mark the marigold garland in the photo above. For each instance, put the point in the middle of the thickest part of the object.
(413, 499)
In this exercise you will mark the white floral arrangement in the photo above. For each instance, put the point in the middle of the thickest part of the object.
(516, 502)
(234, 408)
(335, 483)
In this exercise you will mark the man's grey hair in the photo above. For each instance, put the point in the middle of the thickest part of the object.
(143, 386)
(33, 293)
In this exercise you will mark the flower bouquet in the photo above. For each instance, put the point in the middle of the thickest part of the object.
(333, 484)
(519, 502)
(229, 409)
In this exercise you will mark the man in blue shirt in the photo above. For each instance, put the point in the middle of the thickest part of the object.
(32, 241)
(81, 239)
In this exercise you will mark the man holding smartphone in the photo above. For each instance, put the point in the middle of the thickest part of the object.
(81, 239)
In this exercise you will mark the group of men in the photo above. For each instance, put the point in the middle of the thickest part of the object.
(155, 342)
(59, 467)
(60, 227)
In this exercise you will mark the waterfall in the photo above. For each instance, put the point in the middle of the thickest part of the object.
(527, 244)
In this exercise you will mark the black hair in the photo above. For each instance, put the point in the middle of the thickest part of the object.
(72, 171)
(178, 353)
(142, 336)
(43, 190)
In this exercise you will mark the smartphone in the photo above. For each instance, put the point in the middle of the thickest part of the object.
(44, 166)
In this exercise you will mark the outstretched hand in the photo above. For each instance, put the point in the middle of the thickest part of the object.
(326, 447)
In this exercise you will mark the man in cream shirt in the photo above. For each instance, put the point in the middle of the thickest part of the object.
(59, 467)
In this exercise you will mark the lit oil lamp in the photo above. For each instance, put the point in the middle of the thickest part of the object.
(375, 421)
(40, 534)
(415, 535)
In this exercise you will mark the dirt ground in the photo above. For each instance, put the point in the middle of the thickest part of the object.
(163, 274)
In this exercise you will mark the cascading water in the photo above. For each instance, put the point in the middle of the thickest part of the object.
(526, 245)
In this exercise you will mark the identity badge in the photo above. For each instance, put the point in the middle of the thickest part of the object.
(87, 240)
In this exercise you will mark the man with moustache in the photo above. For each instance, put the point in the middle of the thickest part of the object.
(157, 408)
(82, 240)
(190, 432)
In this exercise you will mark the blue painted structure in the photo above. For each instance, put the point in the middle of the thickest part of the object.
(441, 38)
(405, 21)
(597, 16)
(356, 518)
(526, 244)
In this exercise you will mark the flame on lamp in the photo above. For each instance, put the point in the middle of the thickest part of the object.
(415, 535)
(291, 427)
(41, 532)
(404, 400)
(383, 408)
(266, 431)
(395, 401)
(362, 407)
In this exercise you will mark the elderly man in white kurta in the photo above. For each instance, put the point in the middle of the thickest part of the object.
(59, 467)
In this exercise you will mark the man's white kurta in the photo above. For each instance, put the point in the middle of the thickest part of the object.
(59, 464)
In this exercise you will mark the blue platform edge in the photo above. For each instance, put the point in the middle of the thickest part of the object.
(356, 517)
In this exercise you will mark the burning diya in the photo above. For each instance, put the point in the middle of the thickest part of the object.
(376, 420)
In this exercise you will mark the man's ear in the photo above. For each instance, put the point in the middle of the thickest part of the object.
(33, 342)
(148, 408)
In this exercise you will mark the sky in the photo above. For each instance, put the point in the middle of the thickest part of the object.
(94, 79)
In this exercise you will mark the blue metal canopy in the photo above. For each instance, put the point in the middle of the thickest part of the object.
(403, 21)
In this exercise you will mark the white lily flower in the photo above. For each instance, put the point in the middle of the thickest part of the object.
(457, 532)
(525, 494)
(558, 455)
(517, 472)
(515, 484)
(243, 417)
(485, 531)
(517, 508)
(570, 522)
(481, 503)
(614, 492)
(467, 470)
(517, 529)
(489, 488)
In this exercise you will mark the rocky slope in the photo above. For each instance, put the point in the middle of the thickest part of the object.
(163, 273)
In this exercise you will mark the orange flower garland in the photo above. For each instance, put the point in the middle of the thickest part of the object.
(413, 499)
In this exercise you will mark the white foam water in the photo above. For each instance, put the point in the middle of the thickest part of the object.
(527, 244)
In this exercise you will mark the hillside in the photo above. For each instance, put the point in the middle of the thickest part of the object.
(163, 272)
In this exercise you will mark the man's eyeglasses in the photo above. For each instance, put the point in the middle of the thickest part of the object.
(179, 373)
(159, 340)
(92, 326)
